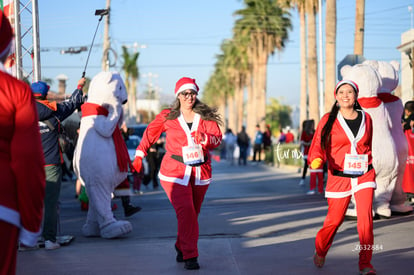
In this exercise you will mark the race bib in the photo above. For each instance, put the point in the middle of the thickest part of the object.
(193, 154)
(355, 164)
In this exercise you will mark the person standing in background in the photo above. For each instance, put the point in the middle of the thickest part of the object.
(258, 143)
(21, 162)
(243, 141)
(308, 130)
(289, 136)
(230, 141)
(51, 116)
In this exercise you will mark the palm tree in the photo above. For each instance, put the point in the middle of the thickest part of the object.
(300, 5)
(359, 27)
(235, 62)
(131, 71)
(311, 9)
(330, 53)
(266, 25)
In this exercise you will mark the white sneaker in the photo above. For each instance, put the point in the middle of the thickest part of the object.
(49, 245)
(302, 182)
(311, 192)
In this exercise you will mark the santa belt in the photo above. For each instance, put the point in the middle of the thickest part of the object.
(341, 173)
(180, 159)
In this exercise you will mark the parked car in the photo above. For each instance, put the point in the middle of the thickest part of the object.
(132, 143)
(137, 129)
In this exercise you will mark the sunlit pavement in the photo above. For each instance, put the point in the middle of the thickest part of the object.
(255, 219)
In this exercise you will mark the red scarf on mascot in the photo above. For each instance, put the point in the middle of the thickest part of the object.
(122, 156)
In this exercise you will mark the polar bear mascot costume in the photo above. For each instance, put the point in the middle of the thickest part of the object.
(389, 72)
(101, 158)
(384, 158)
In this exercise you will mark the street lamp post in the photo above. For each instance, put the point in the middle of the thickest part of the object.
(410, 10)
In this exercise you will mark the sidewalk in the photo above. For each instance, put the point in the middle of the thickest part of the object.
(255, 220)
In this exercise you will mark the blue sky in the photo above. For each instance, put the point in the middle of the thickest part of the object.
(183, 37)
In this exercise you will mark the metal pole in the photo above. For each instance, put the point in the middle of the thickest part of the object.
(18, 39)
(411, 55)
(36, 43)
(321, 92)
(106, 42)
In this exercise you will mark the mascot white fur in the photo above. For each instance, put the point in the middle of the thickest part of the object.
(99, 160)
(389, 72)
(384, 152)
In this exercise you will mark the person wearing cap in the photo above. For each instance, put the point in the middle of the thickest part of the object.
(343, 139)
(51, 115)
(192, 129)
(21, 162)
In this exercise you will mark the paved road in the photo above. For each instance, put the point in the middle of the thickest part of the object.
(255, 220)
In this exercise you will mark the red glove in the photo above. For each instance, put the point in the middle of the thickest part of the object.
(199, 138)
(137, 164)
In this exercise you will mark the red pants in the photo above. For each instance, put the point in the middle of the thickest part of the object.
(336, 214)
(186, 201)
(8, 248)
(316, 175)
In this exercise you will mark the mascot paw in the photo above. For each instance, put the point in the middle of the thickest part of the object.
(116, 229)
(91, 230)
(402, 208)
(383, 212)
(351, 212)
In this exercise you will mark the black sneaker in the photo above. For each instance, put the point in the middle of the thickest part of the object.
(131, 210)
(179, 257)
(191, 264)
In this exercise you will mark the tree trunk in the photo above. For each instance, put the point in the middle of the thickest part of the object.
(239, 108)
(359, 27)
(330, 54)
(231, 111)
(133, 103)
(250, 104)
(312, 67)
(303, 69)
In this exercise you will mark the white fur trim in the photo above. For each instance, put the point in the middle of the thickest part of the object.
(369, 184)
(29, 238)
(188, 86)
(10, 216)
(139, 153)
(183, 181)
(338, 194)
(315, 170)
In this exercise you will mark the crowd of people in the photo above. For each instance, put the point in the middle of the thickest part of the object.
(261, 148)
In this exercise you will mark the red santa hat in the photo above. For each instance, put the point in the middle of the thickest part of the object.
(350, 82)
(185, 83)
(6, 35)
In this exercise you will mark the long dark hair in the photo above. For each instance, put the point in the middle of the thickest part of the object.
(206, 112)
(327, 128)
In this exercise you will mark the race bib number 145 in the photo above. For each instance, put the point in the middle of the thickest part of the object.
(355, 164)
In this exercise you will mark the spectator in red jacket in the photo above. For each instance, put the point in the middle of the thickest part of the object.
(289, 136)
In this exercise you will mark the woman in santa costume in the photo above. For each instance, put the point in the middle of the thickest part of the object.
(343, 140)
(192, 130)
(22, 184)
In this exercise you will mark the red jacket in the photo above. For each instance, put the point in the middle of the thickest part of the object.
(178, 135)
(341, 138)
(22, 183)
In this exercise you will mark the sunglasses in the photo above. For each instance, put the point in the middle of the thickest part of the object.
(189, 94)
